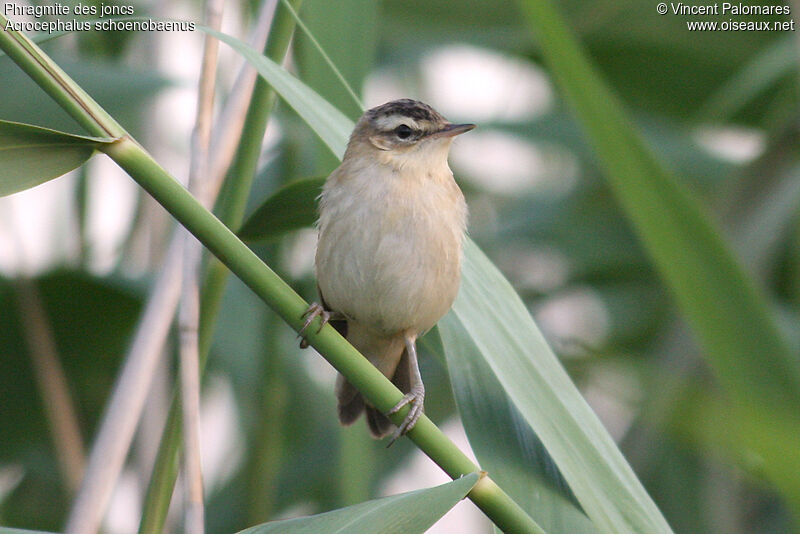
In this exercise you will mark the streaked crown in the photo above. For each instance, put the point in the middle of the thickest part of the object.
(402, 124)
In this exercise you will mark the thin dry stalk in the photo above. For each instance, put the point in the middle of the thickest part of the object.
(189, 311)
(228, 131)
(119, 422)
(128, 396)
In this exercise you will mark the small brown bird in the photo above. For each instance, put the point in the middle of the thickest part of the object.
(388, 262)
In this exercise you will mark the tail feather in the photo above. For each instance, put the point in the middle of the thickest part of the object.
(379, 425)
(351, 403)
(348, 413)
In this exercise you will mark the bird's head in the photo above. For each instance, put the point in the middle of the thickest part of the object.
(402, 133)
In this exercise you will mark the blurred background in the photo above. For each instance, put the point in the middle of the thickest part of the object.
(720, 108)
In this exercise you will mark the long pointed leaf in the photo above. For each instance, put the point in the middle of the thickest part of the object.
(503, 441)
(731, 318)
(735, 326)
(31, 155)
(500, 327)
(406, 513)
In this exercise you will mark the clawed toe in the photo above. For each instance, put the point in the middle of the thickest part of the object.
(314, 310)
(416, 400)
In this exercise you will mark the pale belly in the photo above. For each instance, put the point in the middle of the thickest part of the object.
(392, 267)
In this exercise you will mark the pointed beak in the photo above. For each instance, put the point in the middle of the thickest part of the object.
(452, 130)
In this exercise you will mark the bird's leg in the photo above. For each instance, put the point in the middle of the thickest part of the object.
(316, 310)
(416, 396)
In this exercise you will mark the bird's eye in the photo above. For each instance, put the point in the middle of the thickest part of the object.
(403, 131)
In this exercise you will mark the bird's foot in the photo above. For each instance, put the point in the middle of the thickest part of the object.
(415, 398)
(314, 310)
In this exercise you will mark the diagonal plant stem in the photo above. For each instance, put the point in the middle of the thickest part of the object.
(268, 286)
